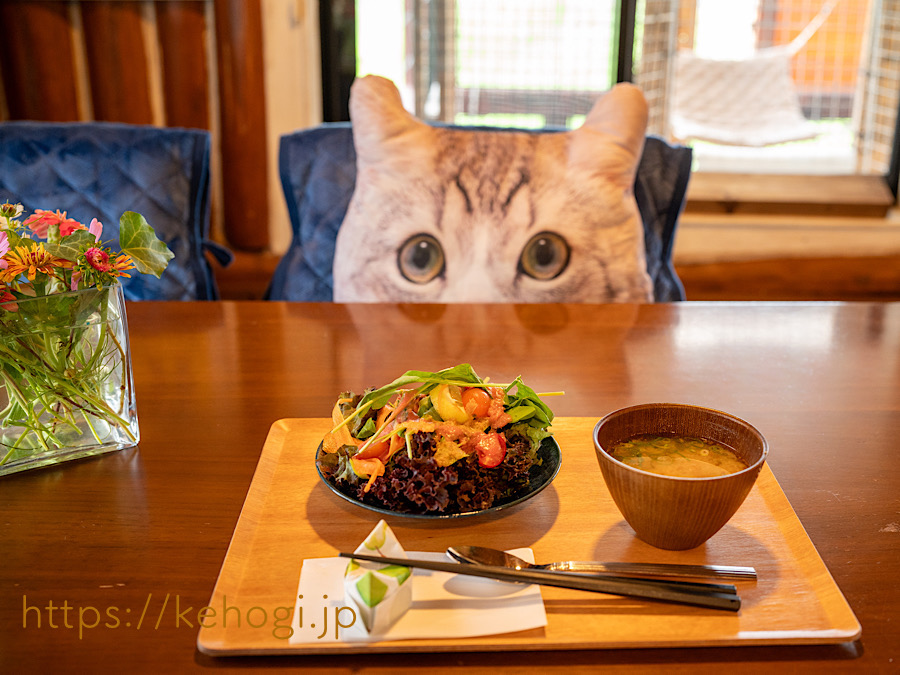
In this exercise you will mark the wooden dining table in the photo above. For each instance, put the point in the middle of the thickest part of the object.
(85, 545)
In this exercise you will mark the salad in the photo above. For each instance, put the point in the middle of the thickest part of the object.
(440, 442)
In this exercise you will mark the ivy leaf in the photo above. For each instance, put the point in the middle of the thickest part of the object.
(138, 240)
(71, 246)
(14, 238)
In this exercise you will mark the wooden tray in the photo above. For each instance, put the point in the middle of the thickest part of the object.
(290, 515)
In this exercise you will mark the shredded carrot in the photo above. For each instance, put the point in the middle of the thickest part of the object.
(397, 442)
(405, 400)
(382, 415)
(373, 468)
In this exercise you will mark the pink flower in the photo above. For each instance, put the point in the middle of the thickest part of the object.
(96, 229)
(41, 221)
(4, 249)
(98, 259)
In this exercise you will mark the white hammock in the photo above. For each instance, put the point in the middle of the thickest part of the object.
(750, 102)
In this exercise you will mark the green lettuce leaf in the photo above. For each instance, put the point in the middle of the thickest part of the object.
(463, 375)
(524, 400)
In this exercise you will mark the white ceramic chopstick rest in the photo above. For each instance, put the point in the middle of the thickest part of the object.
(381, 594)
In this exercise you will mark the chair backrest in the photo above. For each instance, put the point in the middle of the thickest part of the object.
(318, 174)
(100, 170)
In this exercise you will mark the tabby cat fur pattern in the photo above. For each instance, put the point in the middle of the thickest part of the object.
(447, 215)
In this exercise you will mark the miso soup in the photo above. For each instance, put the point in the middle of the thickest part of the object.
(680, 456)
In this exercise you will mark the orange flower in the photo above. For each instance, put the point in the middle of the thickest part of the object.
(29, 259)
(41, 221)
(123, 262)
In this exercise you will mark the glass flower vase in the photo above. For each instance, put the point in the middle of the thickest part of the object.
(66, 385)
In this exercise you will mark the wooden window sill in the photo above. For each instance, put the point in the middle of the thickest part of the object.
(853, 196)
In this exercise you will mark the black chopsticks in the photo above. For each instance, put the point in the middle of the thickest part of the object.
(713, 596)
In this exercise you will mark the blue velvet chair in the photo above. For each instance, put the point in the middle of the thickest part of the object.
(318, 173)
(100, 170)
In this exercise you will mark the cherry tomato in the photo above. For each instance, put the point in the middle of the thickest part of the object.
(476, 401)
(491, 449)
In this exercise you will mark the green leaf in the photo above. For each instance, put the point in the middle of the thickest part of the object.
(521, 412)
(523, 404)
(534, 434)
(338, 464)
(463, 374)
(426, 408)
(138, 240)
(70, 247)
(366, 430)
(526, 395)
(14, 238)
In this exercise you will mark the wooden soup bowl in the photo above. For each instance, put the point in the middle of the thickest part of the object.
(670, 512)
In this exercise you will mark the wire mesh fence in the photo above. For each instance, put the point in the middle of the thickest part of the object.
(542, 63)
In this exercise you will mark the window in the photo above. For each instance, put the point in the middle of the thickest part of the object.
(790, 84)
(530, 63)
(535, 63)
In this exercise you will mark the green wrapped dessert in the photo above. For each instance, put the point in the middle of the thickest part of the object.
(381, 594)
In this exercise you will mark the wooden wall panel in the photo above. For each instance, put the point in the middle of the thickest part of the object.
(117, 62)
(846, 279)
(242, 106)
(37, 61)
(185, 72)
(185, 63)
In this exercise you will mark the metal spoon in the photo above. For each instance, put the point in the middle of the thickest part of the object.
(480, 555)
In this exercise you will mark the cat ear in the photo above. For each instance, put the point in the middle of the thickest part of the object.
(380, 122)
(614, 132)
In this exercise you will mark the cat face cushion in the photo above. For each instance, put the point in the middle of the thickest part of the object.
(447, 215)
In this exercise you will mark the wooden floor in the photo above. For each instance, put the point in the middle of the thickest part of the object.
(789, 279)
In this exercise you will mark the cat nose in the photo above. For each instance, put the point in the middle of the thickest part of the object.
(475, 284)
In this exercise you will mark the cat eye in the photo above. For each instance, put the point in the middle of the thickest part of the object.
(545, 256)
(421, 258)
